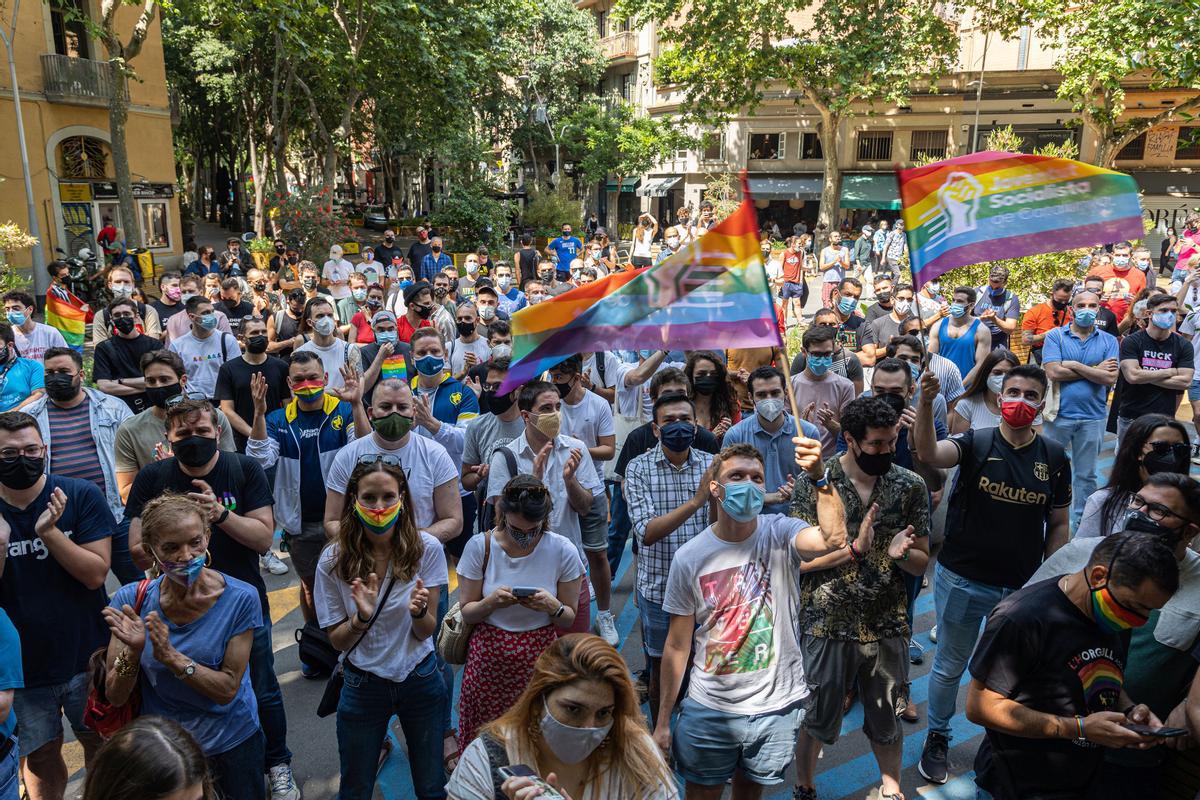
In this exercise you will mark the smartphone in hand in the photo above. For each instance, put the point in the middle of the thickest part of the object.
(1146, 730)
(523, 771)
(524, 591)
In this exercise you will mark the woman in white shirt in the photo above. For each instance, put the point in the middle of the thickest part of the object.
(980, 406)
(376, 595)
(336, 273)
(519, 586)
(643, 235)
(577, 725)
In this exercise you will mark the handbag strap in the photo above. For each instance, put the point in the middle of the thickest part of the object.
(140, 598)
(378, 607)
(487, 554)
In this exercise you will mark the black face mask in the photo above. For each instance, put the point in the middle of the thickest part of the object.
(492, 403)
(124, 325)
(194, 451)
(22, 472)
(874, 464)
(424, 311)
(260, 287)
(293, 259)
(564, 389)
(706, 384)
(231, 303)
(280, 248)
(465, 328)
(61, 387)
(897, 403)
(256, 344)
(440, 292)
(1167, 458)
(1140, 521)
(1059, 305)
(159, 395)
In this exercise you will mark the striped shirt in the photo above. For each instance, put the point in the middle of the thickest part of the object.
(72, 448)
(654, 487)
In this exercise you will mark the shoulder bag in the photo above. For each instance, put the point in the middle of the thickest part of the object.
(455, 633)
(99, 714)
(333, 687)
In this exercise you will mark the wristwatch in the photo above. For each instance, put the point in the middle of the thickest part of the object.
(561, 608)
(821, 482)
(189, 669)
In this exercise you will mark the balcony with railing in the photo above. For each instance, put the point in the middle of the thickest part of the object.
(80, 81)
(619, 46)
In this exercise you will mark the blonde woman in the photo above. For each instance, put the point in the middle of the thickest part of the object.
(376, 595)
(577, 725)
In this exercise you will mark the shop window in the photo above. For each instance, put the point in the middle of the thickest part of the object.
(810, 147)
(768, 145)
(156, 229)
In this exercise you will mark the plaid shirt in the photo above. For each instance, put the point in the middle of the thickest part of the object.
(654, 487)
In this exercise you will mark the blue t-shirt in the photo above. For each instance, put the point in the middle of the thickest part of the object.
(11, 675)
(22, 379)
(218, 728)
(566, 250)
(40, 596)
(1080, 399)
(513, 301)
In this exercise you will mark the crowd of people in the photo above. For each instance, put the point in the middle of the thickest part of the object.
(784, 516)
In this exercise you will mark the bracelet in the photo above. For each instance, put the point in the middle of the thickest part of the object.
(854, 551)
(561, 608)
(1079, 722)
(354, 627)
(358, 616)
(224, 516)
(424, 611)
(903, 557)
(125, 666)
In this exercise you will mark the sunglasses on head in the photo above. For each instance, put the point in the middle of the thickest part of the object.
(179, 398)
(375, 458)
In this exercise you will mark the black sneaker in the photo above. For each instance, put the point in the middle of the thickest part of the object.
(934, 765)
(804, 793)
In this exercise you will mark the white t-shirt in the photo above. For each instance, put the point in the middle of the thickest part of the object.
(425, 463)
(563, 518)
(333, 358)
(202, 358)
(743, 595)
(338, 271)
(587, 421)
(1190, 327)
(473, 778)
(554, 560)
(459, 350)
(388, 649)
(35, 345)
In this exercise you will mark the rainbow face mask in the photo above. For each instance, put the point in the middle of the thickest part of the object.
(308, 391)
(379, 521)
(1110, 615)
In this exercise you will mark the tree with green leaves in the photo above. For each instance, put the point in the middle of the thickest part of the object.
(1103, 47)
(621, 142)
(831, 55)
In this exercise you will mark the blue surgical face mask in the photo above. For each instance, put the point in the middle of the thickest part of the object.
(430, 365)
(184, 573)
(208, 321)
(1085, 317)
(16, 317)
(819, 365)
(1163, 319)
(957, 310)
(743, 501)
(915, 369)
(385, 337)
(847, 305)
(359, 294)
(1120, 261)
(405, 283)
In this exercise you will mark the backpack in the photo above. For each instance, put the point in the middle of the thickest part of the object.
(487, 511)
(969, 468)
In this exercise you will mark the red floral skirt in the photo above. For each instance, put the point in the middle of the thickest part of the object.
(499, 666)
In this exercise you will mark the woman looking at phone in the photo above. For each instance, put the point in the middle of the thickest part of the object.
(576, 727)
(519, 586)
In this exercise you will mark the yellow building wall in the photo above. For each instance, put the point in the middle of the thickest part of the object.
(148, 131)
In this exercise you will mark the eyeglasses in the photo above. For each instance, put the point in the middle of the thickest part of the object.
(179, 398)
(375, 458)
(11, 454)
(1155, 511)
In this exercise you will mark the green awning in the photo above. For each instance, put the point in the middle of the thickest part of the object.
(627, 185)
(870, 190)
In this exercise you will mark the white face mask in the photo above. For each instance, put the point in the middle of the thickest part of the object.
(995, 383)
(672, 242)
(903, 307)
(571, 745)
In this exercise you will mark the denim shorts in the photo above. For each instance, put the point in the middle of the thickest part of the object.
(655, 624)
(709, 745)
(1194, 392)
(40, 711)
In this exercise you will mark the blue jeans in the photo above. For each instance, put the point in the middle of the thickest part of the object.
(271, 715)
(366, 705)
(446, 670)
(618, 526)
(236, 773)
(1081, 438)
(122, 562)
(9, 783)
(961, 607)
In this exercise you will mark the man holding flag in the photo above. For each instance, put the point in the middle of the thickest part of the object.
(64, 310)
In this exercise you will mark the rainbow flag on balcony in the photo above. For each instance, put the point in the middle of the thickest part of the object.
(711, 295)
(68, 314)
(988, 206)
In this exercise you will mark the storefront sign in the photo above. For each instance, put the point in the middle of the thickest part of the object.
(75, 192)
(107, 190)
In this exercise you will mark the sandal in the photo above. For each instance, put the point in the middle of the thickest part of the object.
(450, 758)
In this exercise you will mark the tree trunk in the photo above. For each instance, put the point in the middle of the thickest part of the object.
(831, 185)
(258, 170)
(118, 117)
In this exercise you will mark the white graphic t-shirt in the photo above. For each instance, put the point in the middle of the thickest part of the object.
(745, 598)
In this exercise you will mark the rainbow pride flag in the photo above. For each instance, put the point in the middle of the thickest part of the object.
(988, 206)
(69, 314)
(394, 366)
(713, 294)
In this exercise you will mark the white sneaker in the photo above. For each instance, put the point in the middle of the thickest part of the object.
(606, 628)
(933, 634)
(274, 565)
(283, 785)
